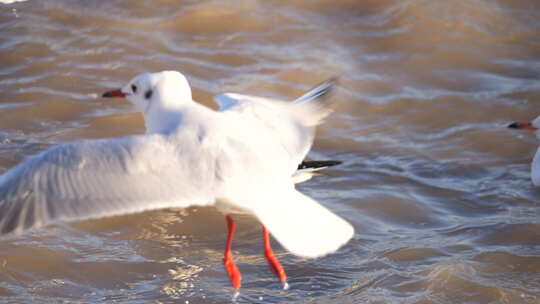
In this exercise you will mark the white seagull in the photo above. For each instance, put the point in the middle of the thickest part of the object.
(239, 159)
(533, 126)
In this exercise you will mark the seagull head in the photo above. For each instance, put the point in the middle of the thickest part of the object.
(532, 126)
(159, 90)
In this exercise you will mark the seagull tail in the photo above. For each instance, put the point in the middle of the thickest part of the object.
(303, 226)
(315, 105)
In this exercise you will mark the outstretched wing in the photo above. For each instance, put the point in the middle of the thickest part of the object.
(98, 178)
(293, 123)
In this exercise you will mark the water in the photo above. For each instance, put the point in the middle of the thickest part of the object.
(437, 188)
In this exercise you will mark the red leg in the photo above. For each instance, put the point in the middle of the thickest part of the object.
(230, 266)
(272, 260)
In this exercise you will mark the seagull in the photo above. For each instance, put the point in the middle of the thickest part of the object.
(239, 159)
(532, 126)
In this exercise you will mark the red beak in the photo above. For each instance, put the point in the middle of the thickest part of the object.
(522, 125)
(114, 93)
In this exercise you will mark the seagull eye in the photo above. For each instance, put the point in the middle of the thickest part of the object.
(148, 94)
(134, 88)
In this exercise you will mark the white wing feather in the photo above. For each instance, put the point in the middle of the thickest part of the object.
(98, 178)
(292, 122)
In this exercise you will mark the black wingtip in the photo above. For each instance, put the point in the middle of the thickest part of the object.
(334, 79)
(315, 164)
(328, 84)
(513, 125)
(319, 91)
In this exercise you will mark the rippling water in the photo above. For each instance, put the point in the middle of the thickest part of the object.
(435, 185)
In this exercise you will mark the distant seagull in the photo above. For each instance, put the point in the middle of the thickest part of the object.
(239, 160)
(533, 126)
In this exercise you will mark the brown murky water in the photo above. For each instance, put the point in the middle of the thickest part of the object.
(435, 185)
